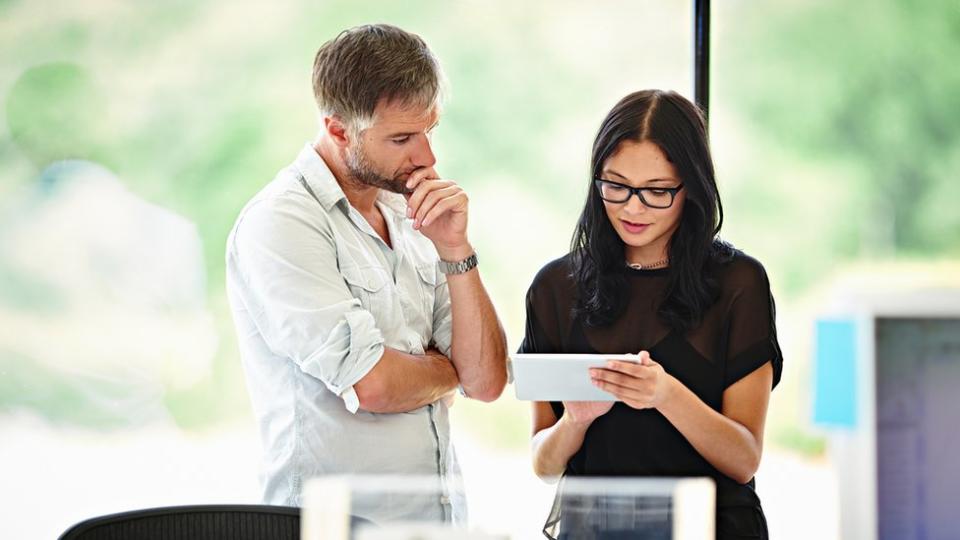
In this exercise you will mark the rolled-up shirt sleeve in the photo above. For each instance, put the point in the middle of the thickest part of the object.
(286, 259)
(442, 316)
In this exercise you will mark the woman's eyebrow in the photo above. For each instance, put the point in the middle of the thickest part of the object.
(653, 181)
(615, 173)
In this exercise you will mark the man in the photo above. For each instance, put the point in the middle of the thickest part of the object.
(353, 334)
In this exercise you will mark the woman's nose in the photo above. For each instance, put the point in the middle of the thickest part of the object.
(634, 205)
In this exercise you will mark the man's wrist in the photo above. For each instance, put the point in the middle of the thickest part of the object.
(454, 253)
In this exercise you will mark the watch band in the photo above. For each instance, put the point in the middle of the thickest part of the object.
(458, 267)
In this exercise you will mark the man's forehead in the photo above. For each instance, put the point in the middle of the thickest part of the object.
(394, 115)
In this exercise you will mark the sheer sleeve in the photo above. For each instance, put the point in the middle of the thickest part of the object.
(543, 328)
(752, 335)
(544, 321)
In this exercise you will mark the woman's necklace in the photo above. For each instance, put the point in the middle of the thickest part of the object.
(659, 264)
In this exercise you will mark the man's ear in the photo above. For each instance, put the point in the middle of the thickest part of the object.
(336, 130)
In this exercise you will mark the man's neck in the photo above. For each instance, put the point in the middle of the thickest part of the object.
(363, 198)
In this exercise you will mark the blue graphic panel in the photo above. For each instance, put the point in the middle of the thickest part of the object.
(835, 387)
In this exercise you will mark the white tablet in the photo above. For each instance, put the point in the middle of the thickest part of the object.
(560, 377)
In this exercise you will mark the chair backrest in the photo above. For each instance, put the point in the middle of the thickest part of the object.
(206, 522)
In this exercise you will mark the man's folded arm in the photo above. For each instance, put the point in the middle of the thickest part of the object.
(468, 331)
(402, 382)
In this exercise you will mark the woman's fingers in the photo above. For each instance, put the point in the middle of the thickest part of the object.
(631, 396)
(631, 368)
(616, 377)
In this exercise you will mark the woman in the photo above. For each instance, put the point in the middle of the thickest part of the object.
(646, 274)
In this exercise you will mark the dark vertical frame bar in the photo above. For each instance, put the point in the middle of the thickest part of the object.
(701, 54)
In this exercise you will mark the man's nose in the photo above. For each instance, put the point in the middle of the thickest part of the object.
(424, 156)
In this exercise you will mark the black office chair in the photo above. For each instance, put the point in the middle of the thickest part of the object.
(207, 522)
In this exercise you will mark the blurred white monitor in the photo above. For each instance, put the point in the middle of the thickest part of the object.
(648, 508)
(918, 443)
(887, 376)
(659, 508)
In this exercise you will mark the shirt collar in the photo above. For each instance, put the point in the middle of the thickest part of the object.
(319, 177)
(325, 186)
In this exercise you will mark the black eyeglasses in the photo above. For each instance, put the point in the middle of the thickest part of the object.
(653, 197)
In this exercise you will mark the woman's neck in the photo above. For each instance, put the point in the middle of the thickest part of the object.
(647, 255)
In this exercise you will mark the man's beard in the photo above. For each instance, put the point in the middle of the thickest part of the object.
(363, 172)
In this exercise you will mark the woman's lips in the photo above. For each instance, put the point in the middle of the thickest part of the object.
(634, 228)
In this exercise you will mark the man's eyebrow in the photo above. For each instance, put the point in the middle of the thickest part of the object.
(411, 133)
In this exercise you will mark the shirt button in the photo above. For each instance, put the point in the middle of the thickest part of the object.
(444, 499)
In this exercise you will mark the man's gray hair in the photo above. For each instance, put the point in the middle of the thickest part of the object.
(366, 64)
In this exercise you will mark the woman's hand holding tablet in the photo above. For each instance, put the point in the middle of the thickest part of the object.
(641, 385)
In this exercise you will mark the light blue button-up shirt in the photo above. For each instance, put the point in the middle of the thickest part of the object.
(316, 295)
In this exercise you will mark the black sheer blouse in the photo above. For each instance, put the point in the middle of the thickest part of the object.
(736, 336)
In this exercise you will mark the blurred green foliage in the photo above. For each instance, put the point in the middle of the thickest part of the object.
(54, 112)
(858, 105)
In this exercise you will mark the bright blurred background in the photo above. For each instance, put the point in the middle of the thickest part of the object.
(835, 128)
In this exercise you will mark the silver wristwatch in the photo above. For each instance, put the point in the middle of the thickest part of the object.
(458, 267)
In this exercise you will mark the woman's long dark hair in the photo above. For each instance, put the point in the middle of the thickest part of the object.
(677, 127)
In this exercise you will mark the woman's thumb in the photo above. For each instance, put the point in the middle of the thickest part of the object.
(645, 359)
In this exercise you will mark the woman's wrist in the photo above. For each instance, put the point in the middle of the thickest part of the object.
(577, 424)
(671, 394)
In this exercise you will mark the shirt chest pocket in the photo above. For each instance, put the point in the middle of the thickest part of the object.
(369, 286)
(427, 278)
